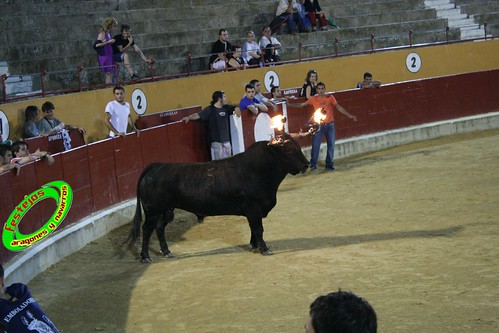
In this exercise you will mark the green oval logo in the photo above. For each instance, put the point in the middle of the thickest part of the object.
(61, 192)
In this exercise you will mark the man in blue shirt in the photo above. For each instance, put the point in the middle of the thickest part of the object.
(250, 102)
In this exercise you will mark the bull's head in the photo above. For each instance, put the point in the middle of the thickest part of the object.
(289, 154)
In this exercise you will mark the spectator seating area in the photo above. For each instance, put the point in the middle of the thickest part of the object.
(57, 35)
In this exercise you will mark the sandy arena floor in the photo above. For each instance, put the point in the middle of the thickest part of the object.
(413, 229)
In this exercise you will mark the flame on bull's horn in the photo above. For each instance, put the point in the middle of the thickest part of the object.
(277, 122)
(319, 115)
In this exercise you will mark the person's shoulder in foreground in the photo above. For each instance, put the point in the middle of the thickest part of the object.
(19, 311)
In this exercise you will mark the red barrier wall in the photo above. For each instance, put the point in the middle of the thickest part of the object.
(105, 173)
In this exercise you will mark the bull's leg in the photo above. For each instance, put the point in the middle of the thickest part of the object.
(257, 235)
(147, 229)
(160, 232)
(253, 243)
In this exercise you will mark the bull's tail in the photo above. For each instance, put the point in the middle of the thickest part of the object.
(134, 232)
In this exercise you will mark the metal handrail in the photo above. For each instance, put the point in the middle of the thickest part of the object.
(81, 73)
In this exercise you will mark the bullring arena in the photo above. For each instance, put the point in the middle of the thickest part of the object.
(407, 220)
(413, 229)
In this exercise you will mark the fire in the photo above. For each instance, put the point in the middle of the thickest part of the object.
(319, 115)
(277, 122)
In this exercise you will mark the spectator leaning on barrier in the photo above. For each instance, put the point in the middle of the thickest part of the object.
(19, 311)
(21, 154)
(5, 159)
(250, 102)
(122, 43)
(259, 96)
(217, 115)
(117, 114)
(368, 82)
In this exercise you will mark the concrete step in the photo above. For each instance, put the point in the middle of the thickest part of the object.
(472, 9)
(351, 9)
(390, 17)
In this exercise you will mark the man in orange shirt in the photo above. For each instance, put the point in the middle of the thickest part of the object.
(326, 103)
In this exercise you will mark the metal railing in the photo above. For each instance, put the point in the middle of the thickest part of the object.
(45, 83)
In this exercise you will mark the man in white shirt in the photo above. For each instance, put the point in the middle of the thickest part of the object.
(118, 114)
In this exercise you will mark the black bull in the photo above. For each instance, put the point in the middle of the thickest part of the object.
(245, 185)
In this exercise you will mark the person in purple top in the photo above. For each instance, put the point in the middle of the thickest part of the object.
(103, 46)
(19, 311)
(250, 102)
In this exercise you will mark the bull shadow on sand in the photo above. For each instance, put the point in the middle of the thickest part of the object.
(314, 243)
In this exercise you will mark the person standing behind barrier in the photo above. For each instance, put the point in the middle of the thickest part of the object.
(19, 311)
(326, 128)
(271, 46)
(103, 46)
(219, 50)
(368, 82)
(341, 312)
(217, 115)
(118, 114)
(250, 102)
(122, 43)
(259, 96)
(309, 88)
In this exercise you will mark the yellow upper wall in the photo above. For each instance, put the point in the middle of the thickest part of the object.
(87, 108)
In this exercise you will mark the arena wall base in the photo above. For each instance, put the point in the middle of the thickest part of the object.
(387, 139)
(41, 256)
(48, 252)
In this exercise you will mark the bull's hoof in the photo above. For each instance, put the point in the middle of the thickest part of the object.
(267, 252)
(168, 254)
(254, 249)
(146, 260)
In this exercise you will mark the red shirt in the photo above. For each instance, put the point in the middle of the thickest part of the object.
(327, 102)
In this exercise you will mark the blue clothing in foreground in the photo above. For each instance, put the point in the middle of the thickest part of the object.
(22, 314)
